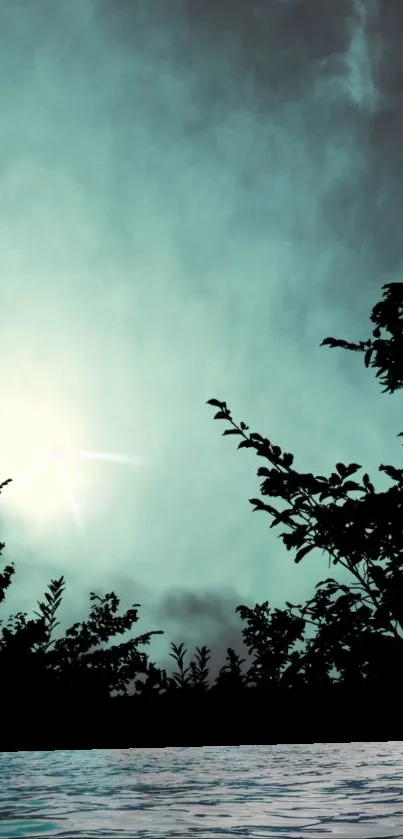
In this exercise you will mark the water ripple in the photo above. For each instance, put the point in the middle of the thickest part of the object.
(349, 790)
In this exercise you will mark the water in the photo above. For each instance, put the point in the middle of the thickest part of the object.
(349, 790)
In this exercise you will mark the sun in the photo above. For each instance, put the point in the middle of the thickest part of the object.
(40, 452)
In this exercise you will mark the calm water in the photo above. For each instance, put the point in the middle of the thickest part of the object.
(352, 790)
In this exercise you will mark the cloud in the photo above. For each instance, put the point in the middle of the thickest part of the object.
(199, 618)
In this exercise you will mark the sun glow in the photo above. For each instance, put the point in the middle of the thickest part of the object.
(38, 451)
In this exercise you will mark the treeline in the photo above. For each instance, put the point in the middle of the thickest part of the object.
(310, 663)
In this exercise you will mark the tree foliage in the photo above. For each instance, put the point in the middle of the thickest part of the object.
(359, 627)
(73, 664)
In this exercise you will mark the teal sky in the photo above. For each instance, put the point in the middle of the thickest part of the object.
(190, 201)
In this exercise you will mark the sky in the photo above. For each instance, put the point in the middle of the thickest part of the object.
(193, 195)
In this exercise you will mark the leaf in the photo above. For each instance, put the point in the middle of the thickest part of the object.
(301, 553)
(330, 342)
(351, 468)
(367, 357)
(231, 431)
(341, 468)
(57, 602)
(259, 505)
(392, 472)
(215, 402)
(349, 485)
(328, 580)
(367, 483)
(43, 608)
(283, 516)
(288, 458)
(220, 415)
(377, 573)
(246, 444)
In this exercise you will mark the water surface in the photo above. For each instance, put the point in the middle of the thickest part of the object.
(349, 790)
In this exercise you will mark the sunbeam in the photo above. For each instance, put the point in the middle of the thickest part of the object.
(54, 469)
(69, 493)
(111, 458)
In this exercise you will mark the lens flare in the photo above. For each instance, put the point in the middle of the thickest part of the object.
(53, 478)
(47, 479)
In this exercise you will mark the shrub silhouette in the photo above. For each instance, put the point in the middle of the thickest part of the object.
(70, 665)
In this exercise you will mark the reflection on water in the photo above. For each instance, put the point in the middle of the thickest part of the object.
(342, 790)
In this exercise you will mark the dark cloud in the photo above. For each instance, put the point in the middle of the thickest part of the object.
(202, 618)
(196, 606)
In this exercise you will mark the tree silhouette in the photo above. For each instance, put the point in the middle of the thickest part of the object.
(360, 631)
